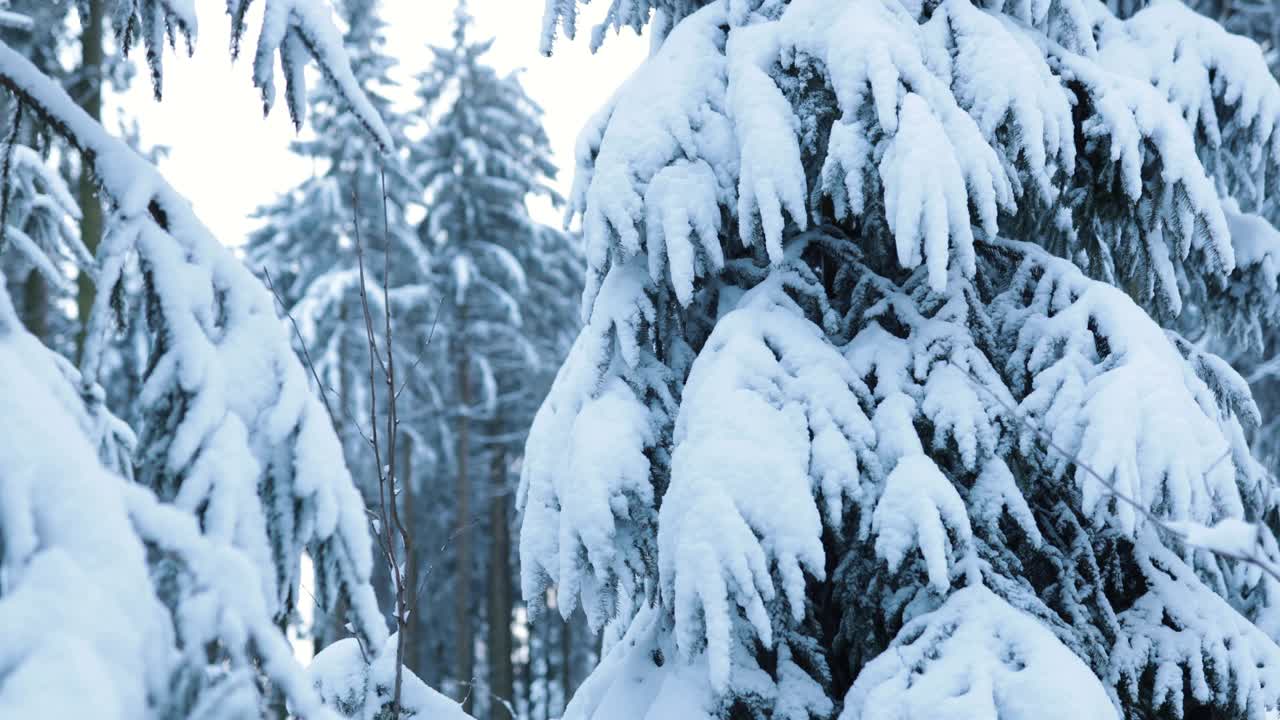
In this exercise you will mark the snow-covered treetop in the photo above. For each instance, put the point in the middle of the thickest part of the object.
(485, 154)
(906, 90)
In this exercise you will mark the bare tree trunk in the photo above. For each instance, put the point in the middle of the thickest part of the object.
(331, 626)
(547, 634)
(35, 305)
(413, 573)
(566, 662)
(501, 674)
(526, 669)
(89, 95)
(464, 644)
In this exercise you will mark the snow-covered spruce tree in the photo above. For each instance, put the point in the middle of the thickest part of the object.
(244, 461)
(485, 154)
(875, 414)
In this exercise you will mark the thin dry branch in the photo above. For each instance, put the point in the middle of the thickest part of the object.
(422, 353)
(393, 427)
(386, 520)
(306, 354)
(386, 471)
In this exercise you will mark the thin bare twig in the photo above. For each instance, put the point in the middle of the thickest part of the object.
(422, 353)
(346, 413)
(387, 522)
(306, 354)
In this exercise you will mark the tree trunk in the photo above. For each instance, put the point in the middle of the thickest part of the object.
(545, 649)
(566, 663)
(501, 674)
(464, 638)
(35, 306)
(414, 648)
(597, 645)
(526, 670)
(89, 95)
(330, 623)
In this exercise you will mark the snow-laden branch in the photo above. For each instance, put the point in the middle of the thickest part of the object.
(296, 31)
(1231, 538)
(17, 21)
(75, 542)
(218, 319)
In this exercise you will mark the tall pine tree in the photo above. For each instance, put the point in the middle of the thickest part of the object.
(484, 156)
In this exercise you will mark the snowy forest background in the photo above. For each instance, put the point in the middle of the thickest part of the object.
(897, 359)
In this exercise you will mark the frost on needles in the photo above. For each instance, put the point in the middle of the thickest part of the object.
(886, 304)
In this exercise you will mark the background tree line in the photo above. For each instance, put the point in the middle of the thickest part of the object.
(485, 302)
(484, 299)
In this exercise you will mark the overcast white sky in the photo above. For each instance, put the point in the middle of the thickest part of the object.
(228, 160)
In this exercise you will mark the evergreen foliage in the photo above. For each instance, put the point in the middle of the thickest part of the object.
(236, 466)
(885, 303)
